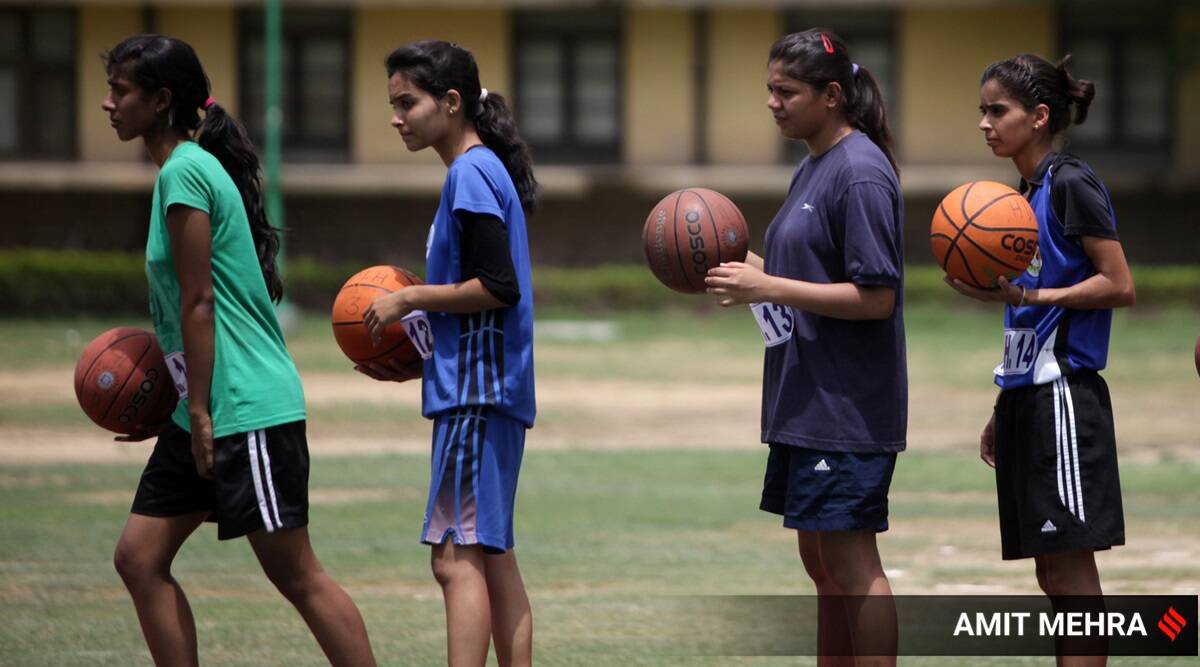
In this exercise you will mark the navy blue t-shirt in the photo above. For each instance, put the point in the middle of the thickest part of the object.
(839, 385)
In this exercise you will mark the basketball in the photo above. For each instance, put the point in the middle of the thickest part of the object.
(689, 232)
(348, 329)
(122, 383)
(984, 230)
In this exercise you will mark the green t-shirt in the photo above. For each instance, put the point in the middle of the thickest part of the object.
(254, 381)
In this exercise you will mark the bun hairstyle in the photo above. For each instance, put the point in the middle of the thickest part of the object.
(818, 57)
(1032, 80)
(155, 62)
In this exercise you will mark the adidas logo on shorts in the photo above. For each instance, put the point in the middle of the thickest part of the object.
(1049, 527)
(821, 466)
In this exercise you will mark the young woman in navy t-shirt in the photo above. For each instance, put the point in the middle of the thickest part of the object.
(1050, 437)
(827, 295)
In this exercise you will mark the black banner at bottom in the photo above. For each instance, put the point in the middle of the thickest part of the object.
(1116, 625)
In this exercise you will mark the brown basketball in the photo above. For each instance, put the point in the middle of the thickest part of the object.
(689, 232)
(122, 383)
(984, 230)
(352, 300)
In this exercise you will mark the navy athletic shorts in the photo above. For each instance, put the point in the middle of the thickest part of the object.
(828, 491)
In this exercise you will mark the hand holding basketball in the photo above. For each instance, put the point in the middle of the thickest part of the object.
(1004, 291)
(737, 282)
(391, 370)
(383, 311)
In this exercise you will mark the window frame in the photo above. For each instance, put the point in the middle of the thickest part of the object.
(300, 26)
(569, 29)
(29, 115)
(1117, 26)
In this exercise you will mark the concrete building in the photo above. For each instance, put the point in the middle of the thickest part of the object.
(622, 101)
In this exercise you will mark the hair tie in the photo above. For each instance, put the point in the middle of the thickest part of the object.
(208, 103)
(828, 44)
(482, 97)
(853, 69)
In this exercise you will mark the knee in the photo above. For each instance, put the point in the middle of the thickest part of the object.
(135, 568)
(294, 584)
(444, 569)
(1042, 579)
(816, 571)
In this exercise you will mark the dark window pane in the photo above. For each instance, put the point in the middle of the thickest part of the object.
(540, 109)
(52, 98)
(10, 35)
(596, 91)
(323, 62)
(51, 37)
(1146, 94)
(8, 110)
(1092, 60)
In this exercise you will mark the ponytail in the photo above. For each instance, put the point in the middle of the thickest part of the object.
(226, 138)
(155, 62)
(818, 57)
(437, 67)
(496, 127)
(1032, 80)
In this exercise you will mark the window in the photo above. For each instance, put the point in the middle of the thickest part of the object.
(568, 85)
(37, 83)
(315, 97)
(1123, 51)
(870, 37)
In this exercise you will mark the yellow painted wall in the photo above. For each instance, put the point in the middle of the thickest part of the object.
(942, 54)
(1187, 100)
(212, 32)
(739, 128)
(660, 95)
(100, 29)
(378, 31)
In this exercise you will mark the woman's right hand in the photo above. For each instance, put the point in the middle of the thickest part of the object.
(392, 371)
(987, 442)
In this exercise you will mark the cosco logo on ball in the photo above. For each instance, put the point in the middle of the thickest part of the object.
(139, 399)
(105, 380)
(696, 242)
(1019, 244)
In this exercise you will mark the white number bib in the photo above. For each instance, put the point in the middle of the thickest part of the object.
(774, 321)
(178, 369)
(416, 325)
(1020, 351)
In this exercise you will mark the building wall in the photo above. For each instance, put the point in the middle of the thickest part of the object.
(100, 28)
(378, 31)
(739, 128)
(942, 54)
(212, 32)
(660, 92)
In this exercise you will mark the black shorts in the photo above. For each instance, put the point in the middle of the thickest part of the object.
(260, 480)
(1056, 468)
(823, 491)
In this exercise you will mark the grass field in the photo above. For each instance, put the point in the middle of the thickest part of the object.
(640, 484)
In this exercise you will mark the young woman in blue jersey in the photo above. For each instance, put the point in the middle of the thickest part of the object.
(828, 296)
(478, 382)
(234, 451)
(1050, 437)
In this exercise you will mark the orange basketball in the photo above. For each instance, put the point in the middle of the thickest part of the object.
(984, 230)
(122, 383)
(348, 329)
(689, 232)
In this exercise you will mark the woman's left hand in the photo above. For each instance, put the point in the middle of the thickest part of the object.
(737, 282)
(1004, 291)
(383, 311)
(202, 445)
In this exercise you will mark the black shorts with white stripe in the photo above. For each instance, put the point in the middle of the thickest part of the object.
(260, 480)
(1056, 468)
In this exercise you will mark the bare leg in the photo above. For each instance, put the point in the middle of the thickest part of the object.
(1071, 573)
(143, 558)
(851, 558)
(833, 632)
(288, 560)
(459, 570)
(512, 619)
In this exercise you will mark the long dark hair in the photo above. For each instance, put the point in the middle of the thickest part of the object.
(818, 57)
(1032, 80)
(438, 67)
(155, 62)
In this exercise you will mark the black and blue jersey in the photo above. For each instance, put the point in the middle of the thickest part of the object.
(1044, 343)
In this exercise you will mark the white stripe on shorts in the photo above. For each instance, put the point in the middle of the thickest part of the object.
(1078, 489)
(252, 446)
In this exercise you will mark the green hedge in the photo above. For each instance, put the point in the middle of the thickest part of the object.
(42, 282)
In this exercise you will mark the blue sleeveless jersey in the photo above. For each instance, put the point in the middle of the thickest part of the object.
(1044, 343)
(479, 358)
